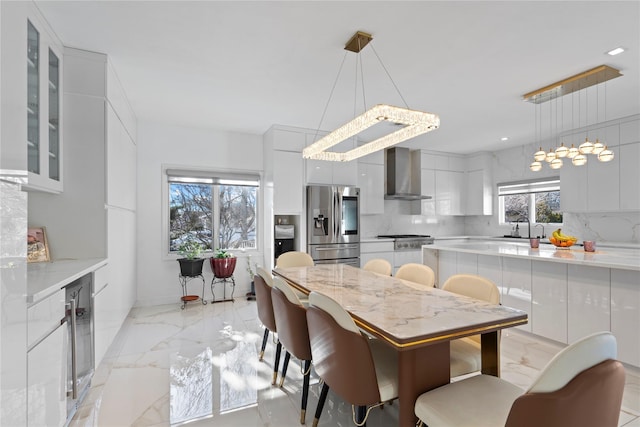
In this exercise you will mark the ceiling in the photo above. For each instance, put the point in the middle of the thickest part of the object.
(243, 66)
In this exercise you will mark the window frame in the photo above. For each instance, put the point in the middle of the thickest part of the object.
(225, 177)
(530, 187)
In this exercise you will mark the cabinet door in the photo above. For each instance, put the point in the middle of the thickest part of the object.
(105, 318)
(121, 164)
(516, 286)
(345, 173)
(44, 109)
(467, 263)
(603, 189)
(447, 265)
(371, 183)
(491, 267)
(629, 176)
(427, 188)
(625, 314)
(549, 308)
(573, 181)
(287, 182)
(478, 194)
(319, 172)
(449, 192)
(46, 379)
(588, 308)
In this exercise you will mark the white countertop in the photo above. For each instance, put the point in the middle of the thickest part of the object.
(45, 278)
(609, 257)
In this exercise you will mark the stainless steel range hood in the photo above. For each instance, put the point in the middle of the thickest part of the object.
(402, 174)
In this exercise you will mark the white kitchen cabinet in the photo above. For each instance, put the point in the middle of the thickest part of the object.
(603, 189)
(516, 286)
(447, 266)
(625, 314)
(121, 163)
(467, 263)
(331, 173)
(549, 300)
(47, 362)
(371, 184)
(372, 250)
(573, 184)
(629, 155)
(289, 140)
(588, 301)
(31, 100)
(479, 194)
(105, 320)
(288, 188)
(491, 268)
(449, 192)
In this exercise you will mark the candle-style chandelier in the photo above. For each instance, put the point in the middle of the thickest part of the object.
(575, 84)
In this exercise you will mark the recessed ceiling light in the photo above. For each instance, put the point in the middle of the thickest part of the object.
(615, 51)
(504, 138)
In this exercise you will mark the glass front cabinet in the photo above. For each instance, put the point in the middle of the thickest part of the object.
(44, 109)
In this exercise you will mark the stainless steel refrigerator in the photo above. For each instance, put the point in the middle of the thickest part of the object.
(333, 224)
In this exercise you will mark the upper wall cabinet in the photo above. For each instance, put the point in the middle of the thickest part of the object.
(31, 97)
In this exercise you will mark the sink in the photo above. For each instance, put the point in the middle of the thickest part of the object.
(508, 236)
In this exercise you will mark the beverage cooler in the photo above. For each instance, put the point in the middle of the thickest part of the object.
(284, 239)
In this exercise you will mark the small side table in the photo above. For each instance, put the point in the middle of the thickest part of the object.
(190, 298)
(224, 281)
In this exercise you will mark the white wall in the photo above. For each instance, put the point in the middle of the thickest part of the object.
(162, 145)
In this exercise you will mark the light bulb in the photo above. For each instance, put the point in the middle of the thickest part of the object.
(586, 147)
(555, 164)
(579, 160)
(539, 155)
(535, 166)
(562, 151)
(597, 147)
(605, 155)
(550, 155)
(573, 151)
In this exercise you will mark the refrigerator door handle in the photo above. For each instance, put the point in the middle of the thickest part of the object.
(336, 213)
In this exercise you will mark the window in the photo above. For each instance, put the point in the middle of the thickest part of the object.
(218, 210)
(536, 201)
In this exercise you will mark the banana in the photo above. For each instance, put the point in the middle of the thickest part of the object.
(558, 235)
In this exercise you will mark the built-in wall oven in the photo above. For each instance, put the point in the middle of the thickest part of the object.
(333, 224)
(80, 360)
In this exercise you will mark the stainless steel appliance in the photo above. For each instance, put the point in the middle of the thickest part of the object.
(284, 239)
(408, 242)
(333, 224)
(80, 360)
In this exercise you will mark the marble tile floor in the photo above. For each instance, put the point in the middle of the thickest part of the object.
(199, 366)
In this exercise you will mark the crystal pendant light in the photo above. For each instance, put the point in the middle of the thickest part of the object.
(579, 160)
(550, 155)
(562, 151)
(586, 147)
(605, 155)
(597, 147)
(573, 151)
(535, 166)
(539, 155)
(555, 164)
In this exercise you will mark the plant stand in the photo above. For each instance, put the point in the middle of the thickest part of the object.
(224, 281)
(190, 298)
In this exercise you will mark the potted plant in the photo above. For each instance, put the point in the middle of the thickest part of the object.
(191, 263)
(223, 263)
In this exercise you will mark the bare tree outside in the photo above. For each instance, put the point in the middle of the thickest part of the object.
(547, 207)
(191, 214)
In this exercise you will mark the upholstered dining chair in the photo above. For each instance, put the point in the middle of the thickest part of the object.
(580, 387)
(466, 352)
(378, 265)
(417, 273)
(362, 371)
(294, 259)
(263, 282)
(291, 319)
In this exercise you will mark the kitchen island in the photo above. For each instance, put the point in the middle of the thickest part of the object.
(568, 293)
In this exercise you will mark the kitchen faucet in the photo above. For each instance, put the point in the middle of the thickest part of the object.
(540, 225)
(528, 226)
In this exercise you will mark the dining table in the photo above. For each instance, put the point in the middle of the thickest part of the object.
(416, 320)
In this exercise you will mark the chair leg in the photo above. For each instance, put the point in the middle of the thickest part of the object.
(264, 344)
(285, 365)
(361, 412)
(276, 363)
(323, 397)
(305, 390)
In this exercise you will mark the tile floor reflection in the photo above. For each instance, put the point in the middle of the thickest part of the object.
(200, 366)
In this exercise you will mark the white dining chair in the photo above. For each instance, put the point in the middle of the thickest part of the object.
(378, 265)
(417, 273)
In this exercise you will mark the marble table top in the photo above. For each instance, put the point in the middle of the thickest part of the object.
(405, 314)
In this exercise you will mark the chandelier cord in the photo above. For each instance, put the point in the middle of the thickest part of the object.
(364, 95)
(335, 83)
(389, 75)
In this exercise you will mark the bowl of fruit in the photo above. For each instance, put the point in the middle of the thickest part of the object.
(562, 241)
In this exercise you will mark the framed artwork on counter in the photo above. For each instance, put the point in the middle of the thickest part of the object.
(37, 245)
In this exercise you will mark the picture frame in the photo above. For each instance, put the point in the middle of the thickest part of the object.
(37, 245)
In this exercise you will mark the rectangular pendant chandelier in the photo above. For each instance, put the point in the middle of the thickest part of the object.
(414, 123)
